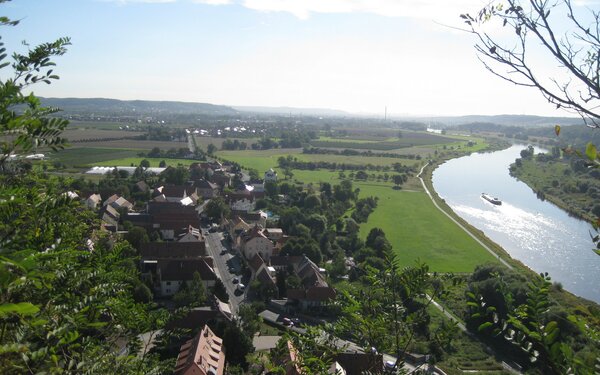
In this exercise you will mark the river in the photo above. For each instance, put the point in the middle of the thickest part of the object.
(536, 232)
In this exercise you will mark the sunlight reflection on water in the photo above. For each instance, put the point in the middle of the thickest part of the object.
(537, 233)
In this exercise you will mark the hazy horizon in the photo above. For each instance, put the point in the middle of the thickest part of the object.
(356, 56)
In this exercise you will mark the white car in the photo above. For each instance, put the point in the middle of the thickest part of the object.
(241, 287)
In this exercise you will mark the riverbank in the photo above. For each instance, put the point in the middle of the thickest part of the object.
(426, 176)
(548, 180)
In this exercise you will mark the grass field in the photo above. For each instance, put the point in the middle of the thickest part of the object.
(417, 230)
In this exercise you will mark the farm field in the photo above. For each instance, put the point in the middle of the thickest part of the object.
(135, 161)
(83, 156)
(268, 158)
(78, 134)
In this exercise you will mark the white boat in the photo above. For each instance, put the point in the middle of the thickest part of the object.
(491, 199)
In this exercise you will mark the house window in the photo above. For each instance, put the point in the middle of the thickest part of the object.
(168, 283)
(168, 291)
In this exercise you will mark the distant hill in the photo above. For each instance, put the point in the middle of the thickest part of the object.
(506, 120)
(114, 107)
(294, 111)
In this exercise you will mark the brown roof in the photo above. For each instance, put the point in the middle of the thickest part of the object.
(264, 277)
(280, 260)
(256, 262)
(174, 250)
(203, 184)
(173, 215)
(142, 186)
(171, 269)
(254, 232)
(201, 355)
(111, 199)
(178, 190)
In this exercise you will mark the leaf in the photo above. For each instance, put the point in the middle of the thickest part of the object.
(590, 151)
(22, 308)
(557, 130)
(484, 326)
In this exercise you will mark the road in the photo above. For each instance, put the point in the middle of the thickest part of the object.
(224, 260)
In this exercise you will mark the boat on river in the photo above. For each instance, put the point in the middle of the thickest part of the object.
(491, 199)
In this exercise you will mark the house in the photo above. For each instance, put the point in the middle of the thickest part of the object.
(253, 242)
(202, 355)
(142, 186)
(314, 292)
(242, 205)
(217, 311)
(190, 234)
(177, 193)
(270, 175)
(235, 227)
(259, 217)
(280, 262)
(93, 201)
(221, 178)
(110, 218)
(172, 217)
(274, 234)
(172, 273)
(172, 250)
(206, 189)
(118, 202)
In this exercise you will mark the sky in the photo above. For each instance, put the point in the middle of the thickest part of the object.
(359, 56)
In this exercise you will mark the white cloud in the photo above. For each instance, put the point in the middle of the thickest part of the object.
(431, 9)
(124, 2)
(213, 2)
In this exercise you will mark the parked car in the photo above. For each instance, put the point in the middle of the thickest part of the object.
(288, 322)
(235, 280)
(241, 287)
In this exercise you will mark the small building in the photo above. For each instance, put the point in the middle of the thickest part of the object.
(254, 242)
(274, 234)
(172, 273)
(93, 201)
(314, 291)
(270, 175)
(202, 355)
(177, 193)
(206, 189)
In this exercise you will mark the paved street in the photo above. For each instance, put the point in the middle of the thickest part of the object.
(224, 262)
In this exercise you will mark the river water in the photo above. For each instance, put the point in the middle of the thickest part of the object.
(536, 232)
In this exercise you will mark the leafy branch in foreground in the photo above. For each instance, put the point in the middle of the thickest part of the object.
(544, 337)
(24, 124)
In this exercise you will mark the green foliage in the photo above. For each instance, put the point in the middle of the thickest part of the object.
(191, 294)
(216, 209)
(389, 309)
(532, 326)
(66, 288)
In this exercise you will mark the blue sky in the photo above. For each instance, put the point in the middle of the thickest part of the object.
(353, 55)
